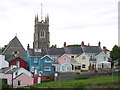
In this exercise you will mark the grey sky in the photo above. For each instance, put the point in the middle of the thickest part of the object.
(72, 21)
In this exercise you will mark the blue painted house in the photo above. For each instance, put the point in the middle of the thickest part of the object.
(45, 65)
(39, 62)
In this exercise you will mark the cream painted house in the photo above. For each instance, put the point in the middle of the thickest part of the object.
(83, 59)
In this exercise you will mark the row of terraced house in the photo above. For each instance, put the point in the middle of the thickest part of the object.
(26, 67)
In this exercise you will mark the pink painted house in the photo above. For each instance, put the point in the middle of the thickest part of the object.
(65, 63)
(21, 77)
(22, 80)
(19, 81)
(64, 59)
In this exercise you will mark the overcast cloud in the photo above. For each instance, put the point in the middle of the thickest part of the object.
(72, 21)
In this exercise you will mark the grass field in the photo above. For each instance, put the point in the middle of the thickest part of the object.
(80, 83)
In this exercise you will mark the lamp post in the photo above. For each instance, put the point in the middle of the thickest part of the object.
(12, 78)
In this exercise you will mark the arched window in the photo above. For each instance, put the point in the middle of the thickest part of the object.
(42, 34)
(18, 63)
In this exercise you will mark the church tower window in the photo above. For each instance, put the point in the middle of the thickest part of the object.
(42, 34)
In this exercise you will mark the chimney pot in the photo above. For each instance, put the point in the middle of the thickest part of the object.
(99, 43)
(82, 44)
(28, 46)
(64, 44)
(104, 49)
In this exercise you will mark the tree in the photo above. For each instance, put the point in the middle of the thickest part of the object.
(54, 46)
(115, 54)
(3, 48)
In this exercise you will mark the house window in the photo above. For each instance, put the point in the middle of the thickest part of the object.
(83, 57)
(72, 57)
(16, 73)
(19, 83)
(32, 69)
(18, 63)
(83, 66)
(35, 60)
(104, 58)
(65, 59)
(48, 61)
(47, 68)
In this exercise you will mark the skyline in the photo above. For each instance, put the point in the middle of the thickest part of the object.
(71, 21)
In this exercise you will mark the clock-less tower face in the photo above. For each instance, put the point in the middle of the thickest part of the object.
(41, 34)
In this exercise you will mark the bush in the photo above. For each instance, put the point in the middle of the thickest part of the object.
(81, 77)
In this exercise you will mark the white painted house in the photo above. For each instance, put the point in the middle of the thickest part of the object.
(3, 62)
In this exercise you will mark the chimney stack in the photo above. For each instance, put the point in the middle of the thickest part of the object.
(82, 44)
(99, 44)
(88, 44)
(47, 46)
(105, 49)
(28, 46)
(64, 44)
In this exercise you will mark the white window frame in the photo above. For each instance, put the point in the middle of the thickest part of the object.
(35, 60)
(48, 61)
(48, 68)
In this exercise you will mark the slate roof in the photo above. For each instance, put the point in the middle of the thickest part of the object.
(91, 49)
(18, 75)
(12, 70)
(73, 50)
(13, 58)
(33, 53)
(3, 70)
(14, 45)
(55, 51)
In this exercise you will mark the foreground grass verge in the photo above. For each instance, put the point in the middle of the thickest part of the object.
(80, 83)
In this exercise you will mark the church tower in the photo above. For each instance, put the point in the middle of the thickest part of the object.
(41, 33)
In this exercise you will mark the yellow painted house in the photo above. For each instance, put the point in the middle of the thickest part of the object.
(83, 59)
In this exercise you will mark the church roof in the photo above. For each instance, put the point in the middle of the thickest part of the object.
(14, 45)
(91, 49)
(73, 50)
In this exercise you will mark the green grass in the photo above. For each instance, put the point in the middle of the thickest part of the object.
(72, 83)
